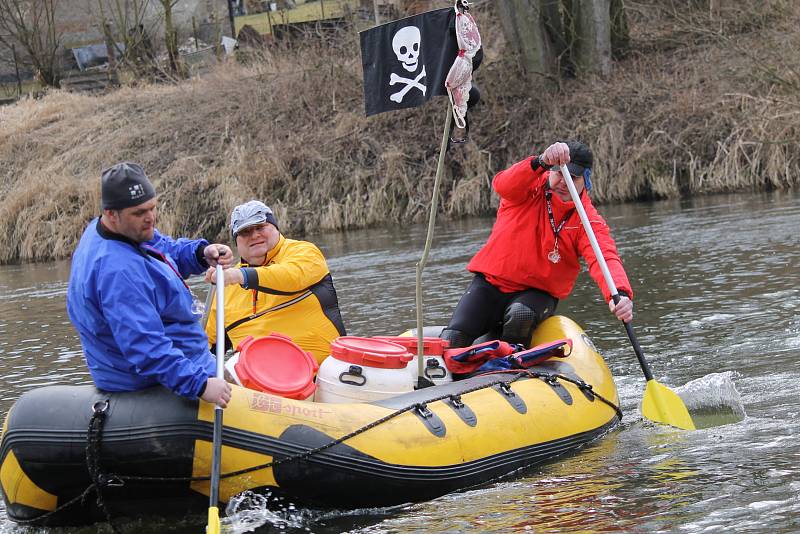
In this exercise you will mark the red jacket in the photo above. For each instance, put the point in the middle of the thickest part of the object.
(515, 256)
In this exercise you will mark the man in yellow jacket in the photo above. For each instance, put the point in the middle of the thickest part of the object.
(281, 285)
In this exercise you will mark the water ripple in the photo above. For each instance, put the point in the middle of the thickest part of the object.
(718, 318)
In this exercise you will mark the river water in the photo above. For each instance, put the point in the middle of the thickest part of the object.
(717, 315)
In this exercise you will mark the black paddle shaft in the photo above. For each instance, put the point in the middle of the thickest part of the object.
(216, 458)
(648, 374)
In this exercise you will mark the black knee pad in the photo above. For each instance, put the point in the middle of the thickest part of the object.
(456, 338)
(518, 323)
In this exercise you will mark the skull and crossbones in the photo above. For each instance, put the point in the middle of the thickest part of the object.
(407, 43)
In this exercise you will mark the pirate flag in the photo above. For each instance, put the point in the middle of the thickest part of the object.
(406, 61)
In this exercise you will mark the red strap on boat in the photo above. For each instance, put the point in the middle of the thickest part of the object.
(498, 355)
(469, 359)
(554, 349)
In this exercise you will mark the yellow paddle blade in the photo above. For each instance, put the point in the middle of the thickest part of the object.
(213, 520)
(662, 405)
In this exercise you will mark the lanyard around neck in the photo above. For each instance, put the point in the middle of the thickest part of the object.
(556, 230)
(157, 254)
(255, 290)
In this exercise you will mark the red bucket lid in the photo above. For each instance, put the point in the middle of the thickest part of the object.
(370, 352)
(431, 346)
(275, 364)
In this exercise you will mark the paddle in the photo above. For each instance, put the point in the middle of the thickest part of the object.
(213, 494)
(207, 309)
(659, 404)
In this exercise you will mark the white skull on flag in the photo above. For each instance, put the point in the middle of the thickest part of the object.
(407, 45)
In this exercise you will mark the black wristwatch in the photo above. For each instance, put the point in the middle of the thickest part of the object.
(537, 163)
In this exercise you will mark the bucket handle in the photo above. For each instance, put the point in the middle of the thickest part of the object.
(358, 377)
(434, 370)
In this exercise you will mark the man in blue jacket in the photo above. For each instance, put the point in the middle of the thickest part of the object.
(127, 298)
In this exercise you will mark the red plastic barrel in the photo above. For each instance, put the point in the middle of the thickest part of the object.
(275, 364)
(370, 352)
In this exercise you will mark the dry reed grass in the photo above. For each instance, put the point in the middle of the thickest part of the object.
(692, 109)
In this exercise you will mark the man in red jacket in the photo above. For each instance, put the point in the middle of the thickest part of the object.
(530, 261)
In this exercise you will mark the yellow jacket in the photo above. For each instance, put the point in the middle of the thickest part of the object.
(291, 294)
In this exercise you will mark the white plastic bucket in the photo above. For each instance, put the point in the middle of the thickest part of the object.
(363, 369)
(433, 369)
(230, 367)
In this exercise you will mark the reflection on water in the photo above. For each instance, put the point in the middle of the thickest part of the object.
(717, 315)
(37, 342)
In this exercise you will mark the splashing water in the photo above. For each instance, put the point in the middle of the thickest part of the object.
(712, 400)
(248, 510)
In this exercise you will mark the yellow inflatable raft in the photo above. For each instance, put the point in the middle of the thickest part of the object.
(149, 452)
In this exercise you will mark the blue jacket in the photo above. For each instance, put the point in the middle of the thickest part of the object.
(133, 312)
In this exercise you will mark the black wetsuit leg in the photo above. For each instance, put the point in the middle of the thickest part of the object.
(525, 310)
(480, 310)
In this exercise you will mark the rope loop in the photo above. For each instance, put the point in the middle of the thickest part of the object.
(99, 479)
(99, 408)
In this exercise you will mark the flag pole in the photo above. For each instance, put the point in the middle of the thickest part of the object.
(423, 382)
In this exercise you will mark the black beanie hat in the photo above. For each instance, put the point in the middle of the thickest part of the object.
(125, 185)
(580, 158)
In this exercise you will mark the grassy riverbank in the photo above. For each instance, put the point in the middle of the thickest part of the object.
(708, 100)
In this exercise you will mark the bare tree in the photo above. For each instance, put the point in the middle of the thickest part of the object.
(126, 22)
(132, 22)
(171, 37)
(591, 46)
(31, 25)
(620, 31)
(524, 25)
(557, 38)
